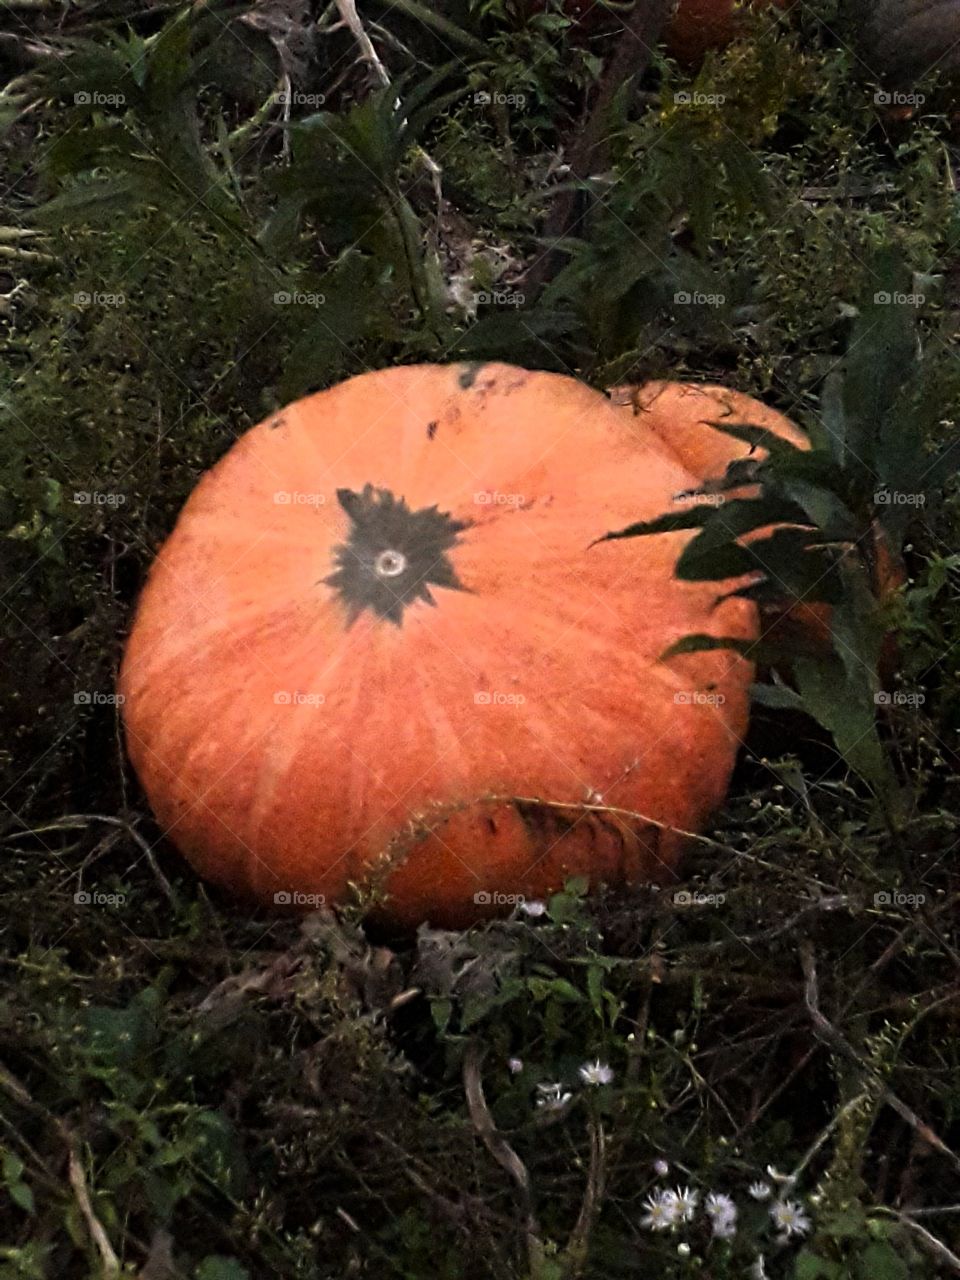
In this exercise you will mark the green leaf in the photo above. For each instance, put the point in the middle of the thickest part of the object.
(22, 1196)
(881, 360)
(689, 518)
(809, 1266)
(841, 707)
(834, 417)
(880, 1261)
(698, 642)
(218, 1267)
(779, 697)
(442, 1011)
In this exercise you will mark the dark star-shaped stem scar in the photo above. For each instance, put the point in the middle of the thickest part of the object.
(392, 555)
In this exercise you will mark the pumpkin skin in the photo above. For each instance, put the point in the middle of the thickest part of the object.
(904, 39)
(301, 722)
(699, 25)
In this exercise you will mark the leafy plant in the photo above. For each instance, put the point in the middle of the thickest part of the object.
(840, 511)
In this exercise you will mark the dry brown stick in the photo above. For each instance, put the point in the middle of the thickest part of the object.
(501, 1151)
(928, 1239)
(110, 1263)
(579, 1242)
(642, 26)
(828, 1033)
(71, 821)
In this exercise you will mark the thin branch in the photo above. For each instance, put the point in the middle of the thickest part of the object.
(927, 1238)
(348, 12)
(828, 1033)
(71, 821)
(501, 1150)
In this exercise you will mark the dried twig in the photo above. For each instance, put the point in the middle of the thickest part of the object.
(501, 1151)
(579, 1242)
(71, 821)
(348, 12)
(926, 1238)
(78, 1180)
(828, 1033)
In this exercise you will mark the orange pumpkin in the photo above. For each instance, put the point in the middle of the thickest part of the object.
(379, 649)
(679, 414)
(699, 25)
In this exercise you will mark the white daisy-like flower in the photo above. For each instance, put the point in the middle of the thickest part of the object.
(661, 1207)
(534, 908)
(788, 1216)
(515, 1065)
(661, 1168)
(686, 1200)
(552, 1096)
(759, 1190)
(596, 1073)
(722, 1213)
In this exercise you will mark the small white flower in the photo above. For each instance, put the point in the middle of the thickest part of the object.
(596, 1073)
(534, 908)
(759, 1190)
(722, 1213)
(686, 1201)
(788, 1216)
(661, 1168)
(683, 1249)
(515, 1065)
(661, 1207)
(552, 1096)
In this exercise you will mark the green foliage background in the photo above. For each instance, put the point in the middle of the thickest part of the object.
(243, 1099)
